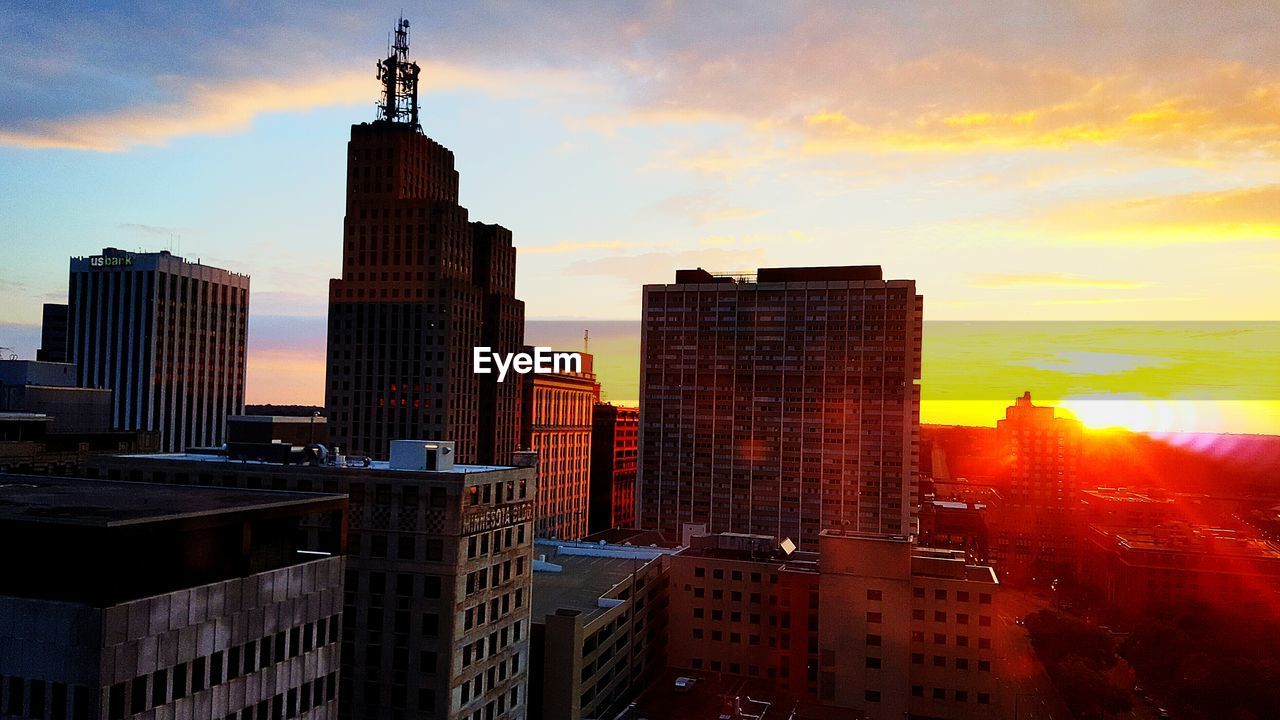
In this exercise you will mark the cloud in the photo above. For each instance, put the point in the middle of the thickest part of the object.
(661, 267)
(1051, 279)
(1085, 362)
(574, 246)
(151, 230)
(702, 208)
(230, 106)
(1238, 214)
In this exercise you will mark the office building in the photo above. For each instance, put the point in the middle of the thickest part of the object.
(1034, 534)
(438, 573)
(421, 286)
(780, 403)
(167, 336)
(557, 425)
(53, 334)
(599, 627)
(615, 435)
(122, 601)
(868, 624)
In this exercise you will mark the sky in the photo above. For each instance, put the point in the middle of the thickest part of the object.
(1085, 161)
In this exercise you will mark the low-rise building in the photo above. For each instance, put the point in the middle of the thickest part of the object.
(438, 578)
(122, 601)
(867, 624)
(599, 627)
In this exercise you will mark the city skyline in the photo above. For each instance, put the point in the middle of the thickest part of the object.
(1071, 179)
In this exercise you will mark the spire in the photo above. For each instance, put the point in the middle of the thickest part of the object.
(399, 79)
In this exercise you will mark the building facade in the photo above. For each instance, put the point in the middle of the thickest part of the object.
(167, 336)
(599, 628)
(615, 435)
(171, 603)
(867, 624)
(557, 425)
(1035, 532)
(53, 334)
(49, 388)
(781, 403)
(438, 578)
(421, 286)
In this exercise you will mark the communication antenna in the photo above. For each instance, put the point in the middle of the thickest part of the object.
(586, 341)
(399, 78)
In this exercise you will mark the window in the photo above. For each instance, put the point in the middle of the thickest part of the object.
(873, 662)
(984, 621)
(873, 640)
(872, 695)
(984, 643)
(984, 598)
(874, 617)
(984, 698)
(939, 594)
(917, 691)
(874, 595)
(917, 658)
(917, 593)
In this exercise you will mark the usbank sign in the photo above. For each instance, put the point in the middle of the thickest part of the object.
(104, 261)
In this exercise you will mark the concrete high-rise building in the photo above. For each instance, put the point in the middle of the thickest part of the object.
(119, 600)
(421, 286)
(438, 575)
(615, 433)
(167, 336)
(556, 424)
(780, 403)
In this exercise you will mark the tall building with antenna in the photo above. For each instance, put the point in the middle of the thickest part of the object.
(421, 285)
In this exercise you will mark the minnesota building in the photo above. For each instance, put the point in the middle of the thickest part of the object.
(421, 286)
(167, 336)
(438, 577)
(780, 403)
(556, 424)
(170, 602)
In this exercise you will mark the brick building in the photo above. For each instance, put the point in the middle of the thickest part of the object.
(614, 446)
(557, 425)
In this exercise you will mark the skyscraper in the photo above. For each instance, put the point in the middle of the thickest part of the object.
(167, 335)
(780, 403)
(421, 286)
(556, 424)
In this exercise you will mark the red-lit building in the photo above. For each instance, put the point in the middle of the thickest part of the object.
(1035, 533)
(422, 284)
(868, 624)
(614, 445)
(1138, 567)
(557, 425)
(780, 403)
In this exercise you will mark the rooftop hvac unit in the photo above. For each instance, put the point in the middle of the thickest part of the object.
(421, 455)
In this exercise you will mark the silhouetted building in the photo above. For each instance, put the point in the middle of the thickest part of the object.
(869, 624)
(438, 573)
(615, 443)
(421, 286)
(167, 336)
(780, 403)
(1035, 533)
(53, 334)
(556, 424)
(178, 602)
(274, 438)
(49, 388)
(599, 628)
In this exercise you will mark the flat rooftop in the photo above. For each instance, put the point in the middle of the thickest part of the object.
(109, 503)
(582, 580)
(374, 465)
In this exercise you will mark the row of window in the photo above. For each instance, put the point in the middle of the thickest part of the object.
(189, 678)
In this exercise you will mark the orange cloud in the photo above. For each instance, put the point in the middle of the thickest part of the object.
(1240, 214)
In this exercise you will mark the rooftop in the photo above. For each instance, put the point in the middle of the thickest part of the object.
(106, 504)
(210, 457)
(580, 582)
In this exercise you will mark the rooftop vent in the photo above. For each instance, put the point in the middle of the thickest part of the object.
(422, 455)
